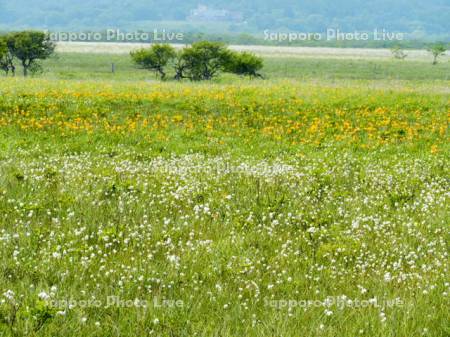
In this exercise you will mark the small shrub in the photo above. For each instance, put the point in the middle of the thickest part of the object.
(154, 58)
(245, 64)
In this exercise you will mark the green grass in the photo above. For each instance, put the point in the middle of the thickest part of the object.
(224, 207)
(90, 66)
(330, 69)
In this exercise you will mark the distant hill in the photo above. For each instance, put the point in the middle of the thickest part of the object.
(417, 17)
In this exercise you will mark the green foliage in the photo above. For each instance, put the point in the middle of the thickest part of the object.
(42, 314)
(246, 64)
(3, 47)
(3, 53)
(6, 58)
(180, 66)
(437, 50)
(204, 60)
(154, 58)
(30, 47)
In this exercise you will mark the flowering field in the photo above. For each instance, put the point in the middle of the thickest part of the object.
(267, 209)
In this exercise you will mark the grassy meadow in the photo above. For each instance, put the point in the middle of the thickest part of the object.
(99, 66)
(312, 203)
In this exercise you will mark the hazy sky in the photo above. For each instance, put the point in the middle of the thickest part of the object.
(411, 16)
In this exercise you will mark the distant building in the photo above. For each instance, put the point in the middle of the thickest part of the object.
(204, 13)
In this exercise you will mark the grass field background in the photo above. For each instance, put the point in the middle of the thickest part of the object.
(314, 202)
(99, 66)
